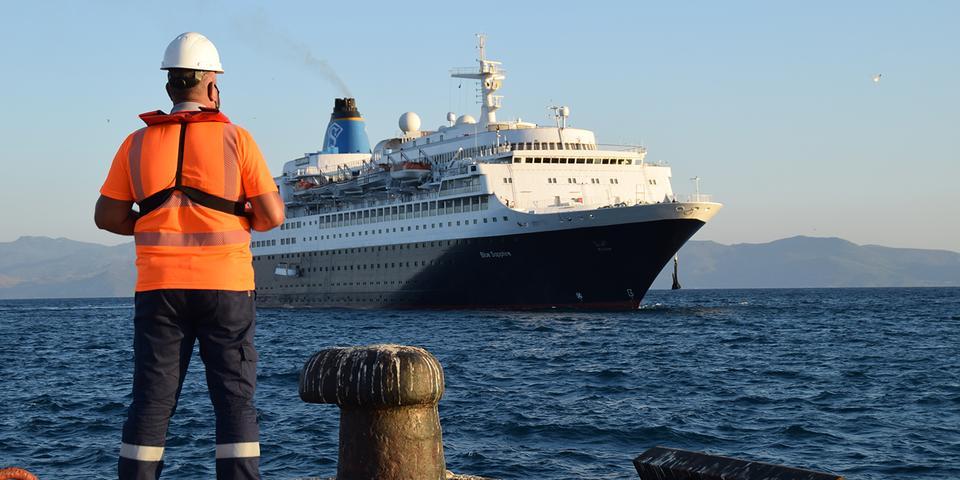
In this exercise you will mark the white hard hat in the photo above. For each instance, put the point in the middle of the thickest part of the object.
(191, 51)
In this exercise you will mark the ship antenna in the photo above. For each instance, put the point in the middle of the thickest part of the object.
(491, 78)
(560, 114)
(696, 181)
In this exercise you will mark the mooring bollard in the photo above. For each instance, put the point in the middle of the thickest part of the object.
(388, 395)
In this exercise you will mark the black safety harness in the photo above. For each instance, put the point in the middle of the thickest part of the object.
(200, 197)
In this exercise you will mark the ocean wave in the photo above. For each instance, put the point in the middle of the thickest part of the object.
(71, 308)
(793, 376)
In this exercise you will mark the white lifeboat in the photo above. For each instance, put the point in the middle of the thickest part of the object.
(409, 170)
(308, 182)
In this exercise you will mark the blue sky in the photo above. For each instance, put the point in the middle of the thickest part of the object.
(772, 104)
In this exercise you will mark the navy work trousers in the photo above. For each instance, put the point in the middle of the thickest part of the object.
(167, 323)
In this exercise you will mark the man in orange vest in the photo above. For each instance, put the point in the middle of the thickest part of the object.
(200, 183)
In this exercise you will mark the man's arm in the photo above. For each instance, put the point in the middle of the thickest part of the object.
(266, 211)
(115, 215)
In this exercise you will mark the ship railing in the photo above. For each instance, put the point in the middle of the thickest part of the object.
(460, 170)
(391, 216)
(493, 152)
(622, 147)
(551, 206)
(498, 149)
(694, 197)
(301, 172)
(446, 192)
(589, 203)
(479, 153)
(473, 70)
(386, 202)
(308, 171)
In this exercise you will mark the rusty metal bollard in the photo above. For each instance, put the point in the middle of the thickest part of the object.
(388, 395)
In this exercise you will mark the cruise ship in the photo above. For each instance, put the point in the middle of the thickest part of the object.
(478, 213)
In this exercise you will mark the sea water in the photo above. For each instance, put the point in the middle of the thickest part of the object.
(859, 382)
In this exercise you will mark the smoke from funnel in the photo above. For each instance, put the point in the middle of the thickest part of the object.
(325, 70)
(262, 34)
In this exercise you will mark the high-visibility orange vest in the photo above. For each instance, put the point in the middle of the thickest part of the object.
(191, 173)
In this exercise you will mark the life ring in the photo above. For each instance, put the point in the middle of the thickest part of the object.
(14, 473)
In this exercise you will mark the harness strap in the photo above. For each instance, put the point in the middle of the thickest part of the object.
(183, 139)
(198, 196)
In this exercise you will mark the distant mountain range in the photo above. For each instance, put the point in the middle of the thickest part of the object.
(810, 262)
(42, 267)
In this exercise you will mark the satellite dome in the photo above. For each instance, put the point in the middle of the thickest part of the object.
(466, 120)
(451, 117)
(409, 122)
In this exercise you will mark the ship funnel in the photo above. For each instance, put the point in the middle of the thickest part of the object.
(346, 132)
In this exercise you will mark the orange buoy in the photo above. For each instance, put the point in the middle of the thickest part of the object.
(14, 473)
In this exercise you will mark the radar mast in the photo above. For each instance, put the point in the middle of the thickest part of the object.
(491, 78)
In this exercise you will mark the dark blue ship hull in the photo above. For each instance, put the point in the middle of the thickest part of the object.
(595, 268)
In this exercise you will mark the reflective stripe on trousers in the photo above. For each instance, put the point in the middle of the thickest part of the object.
(233, 460)
(143, 453)
(238, 450)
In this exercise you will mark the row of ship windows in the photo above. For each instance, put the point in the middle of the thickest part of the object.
(318, 299)
(397, 212)
(403, 212)
(613, 181)
(379, 231)
(336, 284)
(579, 161)
(470, 152)
(538, 145)
(336, 300)
(382, 248)
(376, 266)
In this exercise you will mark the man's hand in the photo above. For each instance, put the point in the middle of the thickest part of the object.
(265, 212)
(115, 216)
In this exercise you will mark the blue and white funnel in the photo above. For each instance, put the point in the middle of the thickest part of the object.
(346, 132)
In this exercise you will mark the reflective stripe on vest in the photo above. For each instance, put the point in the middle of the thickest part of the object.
(196, 239)
(136, 146)
(231, 167)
